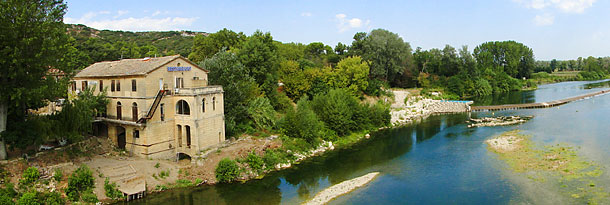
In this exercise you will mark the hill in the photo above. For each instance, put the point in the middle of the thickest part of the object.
(105, 45)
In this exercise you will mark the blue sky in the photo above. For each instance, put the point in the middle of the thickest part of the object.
(561, 29)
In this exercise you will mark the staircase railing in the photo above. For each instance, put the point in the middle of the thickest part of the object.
(153, 108)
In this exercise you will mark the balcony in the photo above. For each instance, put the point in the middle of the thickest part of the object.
(198, 91)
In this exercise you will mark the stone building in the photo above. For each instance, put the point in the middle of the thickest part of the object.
(160, 108)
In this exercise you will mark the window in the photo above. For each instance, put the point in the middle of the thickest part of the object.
(133, 85)
(134, 111)
(136, 133)
(73, 86)
(203, 104)
(162, 111)
(101, 85)
(112, 86)
(84, 85)
(119, 115)
(118, 85)
(183, 108)
(214, 103)
(188, 136)
(179, 83)
(179, 136)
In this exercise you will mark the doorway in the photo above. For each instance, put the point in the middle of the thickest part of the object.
(120, 136)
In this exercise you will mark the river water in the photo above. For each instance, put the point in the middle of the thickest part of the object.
(435, 161)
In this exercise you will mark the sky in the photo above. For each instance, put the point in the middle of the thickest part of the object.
(554, 29)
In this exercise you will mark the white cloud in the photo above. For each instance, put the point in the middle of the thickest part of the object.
(346, 24)
(544, 20)
(568, 6)
(120, 13)
(306, 14)
(131, 23)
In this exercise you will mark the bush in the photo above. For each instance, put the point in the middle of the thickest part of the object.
(80, 181)
(54, 198)
(89, 197)
(336, 109)
(482, 87)
(112, 190)
(4, 199)
(262, 113)
(28, 198)
(302, 123)
(30, 175)
(227, 171)
(58, 175)
(181, 183)
(255, 162)
(273, 157)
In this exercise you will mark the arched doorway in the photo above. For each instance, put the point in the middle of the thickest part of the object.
(120, 137)
(100, 129)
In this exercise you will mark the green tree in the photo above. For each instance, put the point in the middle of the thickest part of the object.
(262, 113)
(33, 39)
(303, 123)
(510, 57)
(386, 52)
(351, 73)
(336, 109)
(79, 182)
(239, 88)
(206, 46)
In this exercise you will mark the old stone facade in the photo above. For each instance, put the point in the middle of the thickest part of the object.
(159, 108)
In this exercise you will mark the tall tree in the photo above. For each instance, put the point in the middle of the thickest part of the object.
(239, 88)
(386, 52)
(207, 46)
(32, 39)
(259, 55)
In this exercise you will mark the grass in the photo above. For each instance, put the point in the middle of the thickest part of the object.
(556, 164)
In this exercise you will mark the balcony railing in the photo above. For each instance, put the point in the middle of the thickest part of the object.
(198, 91)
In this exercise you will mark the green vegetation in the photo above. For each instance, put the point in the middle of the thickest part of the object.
(255, 162)
(30, 175)
(227, 171)
(112, 191)
(58, 175)
(80, 183)
(554, 163)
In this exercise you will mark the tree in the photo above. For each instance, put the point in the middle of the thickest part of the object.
(510, 57)
(388, 55)
(33, 39)
(239, 88)
(206, 46)
(351, 73)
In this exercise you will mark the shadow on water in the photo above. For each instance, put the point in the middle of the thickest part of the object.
(518, 97)
(313, 175)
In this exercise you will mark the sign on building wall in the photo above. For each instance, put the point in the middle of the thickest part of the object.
(178, 68)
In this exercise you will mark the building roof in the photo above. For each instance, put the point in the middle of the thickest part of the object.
(127, 67)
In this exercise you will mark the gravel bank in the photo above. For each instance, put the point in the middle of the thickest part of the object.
(345, 187)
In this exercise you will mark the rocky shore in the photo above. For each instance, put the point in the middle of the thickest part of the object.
(408, 107)
(498, 121)
(345, 187)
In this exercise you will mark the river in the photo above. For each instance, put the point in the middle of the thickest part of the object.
(436, 161)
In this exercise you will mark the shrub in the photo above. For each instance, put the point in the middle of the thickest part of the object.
(80, 180)
(302, 123)
(255, 162)
(58, 175)
(112, 190)
(28, 198)
(89, 197)
(227, 170)
(181, 183)
(262, 113)
(5, 199)
(157, 165)
(273, 157)
(336, 109)
(54, 198)
(30, 175)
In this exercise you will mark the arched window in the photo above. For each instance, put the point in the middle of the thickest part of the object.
(134, 111)
(203, 104)
(119, 115)
(182, 107)
(214, 103)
